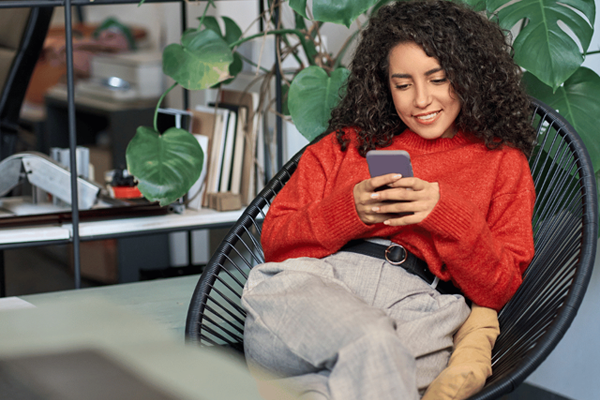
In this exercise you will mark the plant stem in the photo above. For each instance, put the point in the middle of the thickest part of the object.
(249, 61)
(273, 32)
(208, 4)
(158, 106)
(591, 52)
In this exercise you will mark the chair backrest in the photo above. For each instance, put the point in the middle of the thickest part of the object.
(532, 323)
(22, 34)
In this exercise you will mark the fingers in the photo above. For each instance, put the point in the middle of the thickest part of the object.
(399, 201)
(366, 200)
(410, 183)
(383, 181)
(409, 201)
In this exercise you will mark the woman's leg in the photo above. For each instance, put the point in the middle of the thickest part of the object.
(349, 325)
(425, 319)
(306, 323)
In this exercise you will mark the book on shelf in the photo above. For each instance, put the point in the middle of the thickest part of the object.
(203, 124)
(216, 147)
(227, 156)
(249, 100)
(231, 177)
(196, 192)
(238, 153)
(232, 131)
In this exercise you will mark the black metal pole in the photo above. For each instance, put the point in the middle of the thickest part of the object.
(72, 142)
(278, 94)
(186, 93)
(261, 11)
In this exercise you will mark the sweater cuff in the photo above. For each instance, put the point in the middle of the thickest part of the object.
(452, 217)
(338, 213)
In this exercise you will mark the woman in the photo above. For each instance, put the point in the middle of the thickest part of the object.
(330, 313)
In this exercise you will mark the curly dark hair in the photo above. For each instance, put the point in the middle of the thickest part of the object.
(477, 60)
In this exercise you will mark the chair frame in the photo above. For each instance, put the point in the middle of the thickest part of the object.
(532, 323)
(13, 89)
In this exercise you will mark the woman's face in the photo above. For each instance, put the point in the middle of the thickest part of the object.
(422, 94)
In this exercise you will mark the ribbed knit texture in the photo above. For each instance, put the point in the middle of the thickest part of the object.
(479, 234)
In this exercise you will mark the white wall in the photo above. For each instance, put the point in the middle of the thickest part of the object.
(593, 61)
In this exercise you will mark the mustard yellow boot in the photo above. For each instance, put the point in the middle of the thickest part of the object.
(471, 362)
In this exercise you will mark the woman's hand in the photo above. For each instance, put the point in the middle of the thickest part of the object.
(402, 201)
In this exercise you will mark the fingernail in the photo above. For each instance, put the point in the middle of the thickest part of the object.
(375, 209)
(374, 195)
(397, 176)
(386, 222)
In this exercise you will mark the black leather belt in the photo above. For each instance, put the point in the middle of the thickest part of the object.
(396, 254)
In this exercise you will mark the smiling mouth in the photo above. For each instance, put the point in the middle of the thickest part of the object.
(427, 117)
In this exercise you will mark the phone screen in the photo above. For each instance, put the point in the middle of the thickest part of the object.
(383, 162)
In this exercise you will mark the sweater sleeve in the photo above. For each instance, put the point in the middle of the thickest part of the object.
(311, 216)
(485, 254)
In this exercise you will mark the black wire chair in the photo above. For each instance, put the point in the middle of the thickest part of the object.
(532, 323)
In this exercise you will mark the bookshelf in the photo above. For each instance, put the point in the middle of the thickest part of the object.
(72, 235)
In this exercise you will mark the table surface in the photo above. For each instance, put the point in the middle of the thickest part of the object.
(138, 325)
(138, 346)
(165, 301)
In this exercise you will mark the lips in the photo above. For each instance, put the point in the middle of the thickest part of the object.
(427, 118)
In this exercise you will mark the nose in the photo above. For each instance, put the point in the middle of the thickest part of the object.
(422, 96)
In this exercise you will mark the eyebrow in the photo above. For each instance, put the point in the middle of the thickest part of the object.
(405, 76)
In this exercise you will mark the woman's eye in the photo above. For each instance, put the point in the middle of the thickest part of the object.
(402, 87)
(441, 80)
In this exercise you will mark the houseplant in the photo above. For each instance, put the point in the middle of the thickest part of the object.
(167, 165)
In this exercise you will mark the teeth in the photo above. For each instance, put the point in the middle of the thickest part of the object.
(428, 116)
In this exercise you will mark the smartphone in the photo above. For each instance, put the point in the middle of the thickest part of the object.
(383, 162)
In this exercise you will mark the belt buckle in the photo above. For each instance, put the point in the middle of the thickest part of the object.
(387, 252)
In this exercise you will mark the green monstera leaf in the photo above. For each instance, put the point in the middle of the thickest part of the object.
(578, 101)
(165, 166)
(232, 34)
(232, 30)
(543, 47)
(336, 11)
(312, 96)
(200, 61)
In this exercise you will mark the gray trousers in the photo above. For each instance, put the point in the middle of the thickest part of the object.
(348, 327)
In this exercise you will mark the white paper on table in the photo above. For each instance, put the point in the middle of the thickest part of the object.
(14, 303)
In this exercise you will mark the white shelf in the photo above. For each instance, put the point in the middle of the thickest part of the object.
(33, 234)
(188, 219)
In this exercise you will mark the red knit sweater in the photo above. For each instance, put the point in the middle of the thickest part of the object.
(479, 234)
